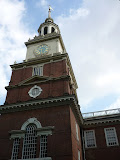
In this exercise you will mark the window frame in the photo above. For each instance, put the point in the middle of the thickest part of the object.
(77, 131)
(106, 136)
(29, 138)
(94, 138)
(78, 154)
(15, 148)
(48, 130)
(43, 140)
(39, 69)
(39, 90)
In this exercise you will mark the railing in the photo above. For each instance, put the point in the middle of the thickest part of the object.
(101, 113)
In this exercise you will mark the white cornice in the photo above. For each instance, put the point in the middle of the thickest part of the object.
(102, 121)
(70, 100)
(41, 60)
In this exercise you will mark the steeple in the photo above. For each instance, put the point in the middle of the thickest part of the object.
(49, 12)
(48, 42)
(48, 26)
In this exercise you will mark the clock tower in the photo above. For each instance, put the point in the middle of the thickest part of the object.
(49, 41)
(41, 117)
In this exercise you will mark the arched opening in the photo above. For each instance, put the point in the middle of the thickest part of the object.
(45, 30)
(31, 121)
(52, 29)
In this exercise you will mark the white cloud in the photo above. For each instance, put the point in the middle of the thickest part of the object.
(76, 14)
(91, 35)
(13, 34)
(114, 105)
(42, 3)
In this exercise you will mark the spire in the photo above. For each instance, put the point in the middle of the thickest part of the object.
(49, 12)
(48, 26)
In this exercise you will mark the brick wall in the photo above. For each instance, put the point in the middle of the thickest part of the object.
(59, 144)
(49, 89)
(76, 145)
(102, 151)
(53, 69)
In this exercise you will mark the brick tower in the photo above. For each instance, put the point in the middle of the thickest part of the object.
(41, 119)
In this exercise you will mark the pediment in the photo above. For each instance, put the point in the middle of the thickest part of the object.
(33, 79)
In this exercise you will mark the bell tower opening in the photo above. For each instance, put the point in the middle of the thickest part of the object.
(52, 29)
(45, 30)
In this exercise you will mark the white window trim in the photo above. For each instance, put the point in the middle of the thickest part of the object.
(77, 132)
(41, 70)
(29, 121)
(46, 158)
(13, 149)
(40, 131)
(107, 137)
(78, 154)
(36, 95)
(34, 142)
(42, 154)
(93, 137)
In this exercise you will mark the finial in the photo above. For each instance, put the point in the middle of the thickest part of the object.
(49, 12)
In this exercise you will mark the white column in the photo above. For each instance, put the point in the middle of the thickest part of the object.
(49, 29)
(42, 31)
(56, 30)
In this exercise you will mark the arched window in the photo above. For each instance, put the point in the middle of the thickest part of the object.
(29, 133)
(30, 142)
(52, 29)
(45, 30)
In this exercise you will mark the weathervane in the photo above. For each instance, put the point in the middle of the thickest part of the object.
(49, 12)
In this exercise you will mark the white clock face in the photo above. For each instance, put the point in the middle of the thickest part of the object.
(41, 50)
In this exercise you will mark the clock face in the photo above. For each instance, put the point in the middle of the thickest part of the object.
(41, 50)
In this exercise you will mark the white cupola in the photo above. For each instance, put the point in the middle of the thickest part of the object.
(48, 26)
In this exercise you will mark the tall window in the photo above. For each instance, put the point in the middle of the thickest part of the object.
(16, 146)
(111, 136)
(38, 70)
(30, 141)
(31, 131)
(90, 141)
(43, 146)
(77, 135)
(78, 155)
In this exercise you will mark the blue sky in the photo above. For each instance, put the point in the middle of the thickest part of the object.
(91, 33)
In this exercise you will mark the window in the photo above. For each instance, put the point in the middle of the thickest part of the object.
(35, 91)
(111, 136)
(38, 70)
(33, 135)
(78, 155)
(77, 135)
(90, 141)
(43, 146)
(45, 30)
(30, 141)
(16, 146)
